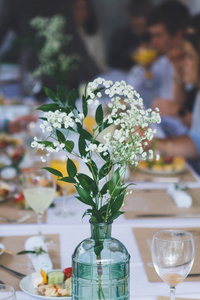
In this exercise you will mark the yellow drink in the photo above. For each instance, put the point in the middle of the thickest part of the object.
(60, 165)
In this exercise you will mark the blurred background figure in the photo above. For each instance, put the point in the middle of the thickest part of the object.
(92, 53)
(188, 145)
(166, 28)
(89, 31)
(125, 40)
(16, 125)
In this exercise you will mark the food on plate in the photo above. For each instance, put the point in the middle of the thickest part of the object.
(5, 191)
(56, 283)
(68, 285)
(8, 140)
(55, 277)
(36, 279)
(44, 275)
(52, 290)
(165, 164)
(67, 272)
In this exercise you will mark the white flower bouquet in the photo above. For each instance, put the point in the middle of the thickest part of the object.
(103, 190)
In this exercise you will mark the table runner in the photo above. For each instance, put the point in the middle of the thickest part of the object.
(22, 263)
(9, 210)
(140, 175)
(157, 202)
(144, 238)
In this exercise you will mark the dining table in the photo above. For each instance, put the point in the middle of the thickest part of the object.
(73, 229)
(143, 215)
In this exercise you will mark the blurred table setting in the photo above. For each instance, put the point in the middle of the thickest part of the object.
(151, 204)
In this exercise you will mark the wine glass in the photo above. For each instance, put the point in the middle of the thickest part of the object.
(7, 292)
(59, 163)
(173, 256)
(39, 192)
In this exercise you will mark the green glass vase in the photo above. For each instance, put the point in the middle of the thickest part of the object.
(100, 267)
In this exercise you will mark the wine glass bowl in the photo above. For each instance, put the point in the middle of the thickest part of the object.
(173, 256)
(7, 292)
(39, 191)
(59, 163)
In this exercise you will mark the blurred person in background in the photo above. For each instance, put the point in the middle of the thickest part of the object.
(16, 125)
(87, 25)
(166, 28)
(182, 109)
(124, 41)
(187, 145)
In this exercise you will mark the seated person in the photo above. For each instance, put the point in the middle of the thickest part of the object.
(188, 145)
(19, 124)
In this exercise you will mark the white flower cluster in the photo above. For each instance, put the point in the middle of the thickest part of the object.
(127, 113)
(51, 56)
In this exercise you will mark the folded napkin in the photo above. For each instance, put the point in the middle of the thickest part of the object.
(180, 197)
(39, 261)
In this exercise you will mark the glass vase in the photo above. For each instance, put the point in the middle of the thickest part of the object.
(101, 266)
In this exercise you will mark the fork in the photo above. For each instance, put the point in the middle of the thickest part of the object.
(16, 221)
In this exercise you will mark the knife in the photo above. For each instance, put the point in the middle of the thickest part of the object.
(15, 273)
(181, 215)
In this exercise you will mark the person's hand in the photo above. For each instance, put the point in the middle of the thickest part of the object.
(167, 107)
(21, 123)
(176, 56)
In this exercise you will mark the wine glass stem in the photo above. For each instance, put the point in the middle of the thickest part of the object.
(39, 222)
(172, 293)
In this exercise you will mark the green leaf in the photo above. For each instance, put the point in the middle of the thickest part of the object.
(50, 94)
(87, 212)
(98, 247)
(105, 169)
(92, 167)
(115, 216)
(49, 107)
(85, 196)
(105, 188)
(114, 182)
(87, 178)
(25, 252)
(61, 94)
(103, 126)
(69, 146)
(60, 136)
(85, 134)
(99, 114)
(83, 182)
(72, 96)
(82, 146)
(118, 203)
(68, 179)
(53, 171)
(71, 168)
(105, 157)
(84, 106)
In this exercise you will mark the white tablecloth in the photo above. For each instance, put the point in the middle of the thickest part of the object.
(71, 233)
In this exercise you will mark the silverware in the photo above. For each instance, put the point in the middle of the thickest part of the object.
(181, 215)
(15, 273)
(16, 221)
(194, 275)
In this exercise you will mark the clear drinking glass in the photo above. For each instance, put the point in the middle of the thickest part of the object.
(39, 191)
(173, 256)
(59, 163)
(7, 292)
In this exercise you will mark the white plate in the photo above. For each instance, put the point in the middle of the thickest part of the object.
(27, 287)
(2, 247)
(162, 172)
